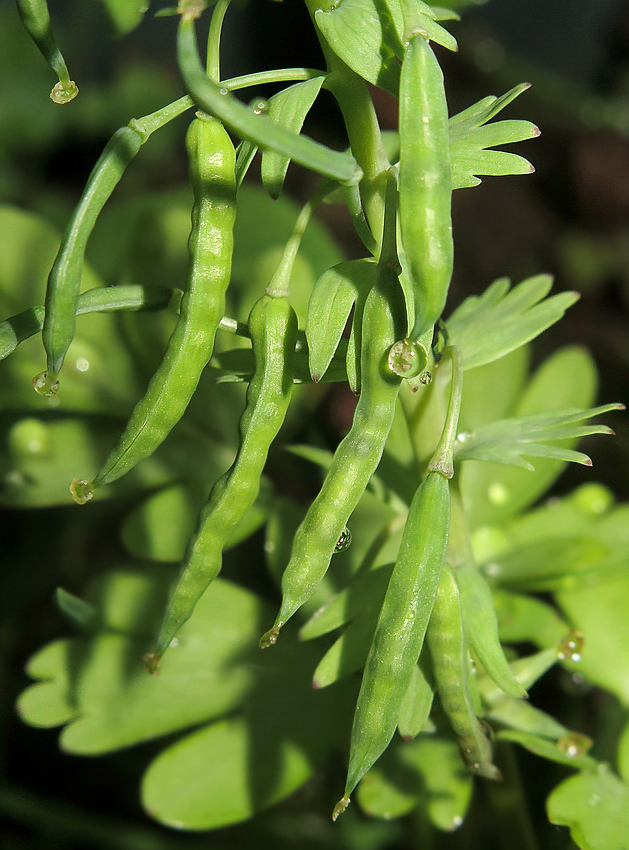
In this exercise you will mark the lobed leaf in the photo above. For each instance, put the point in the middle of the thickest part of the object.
(488, 327)
(470, 139)
(368, 35)
(595, 807)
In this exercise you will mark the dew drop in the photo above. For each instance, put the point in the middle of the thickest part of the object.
(259, 106)
(81, 490)
(340, 807)
(82, 364)
(425, 378)
(463, 437)
(344, 541)
(223, 91)
(493, 570)
(174, 643)
(570, 647)
(407, 359)
(269, 638)
(46, 384)
(64, 92)
(152, 662)
(269, 547)
(574, 744)
(457, 822)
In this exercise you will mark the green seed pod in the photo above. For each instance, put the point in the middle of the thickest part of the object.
(449, 652)
(64, 281)
(273, 328)
(212, 161)
(36, 19)
(425, 182)
(401, 628)
(354, 462)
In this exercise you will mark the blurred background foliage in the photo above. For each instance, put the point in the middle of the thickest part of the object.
(571, 219)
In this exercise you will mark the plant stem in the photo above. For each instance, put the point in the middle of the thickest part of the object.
(442, 460)
(213, 61)
(361, 122)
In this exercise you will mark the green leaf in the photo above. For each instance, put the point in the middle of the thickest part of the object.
(80, 613)
(427, 770)
(160, 527)
(559, 752)
(125, 15)
(349, 651)
(277, 732)
(363, 596)
(230, 770)
(368, 35)
(486, 328)
(595, 807)
(469, 140)
(601, 614)
(331, 302)
(508, 441)
(288, 108)
(416, 705)
(523, 618)
(495, 493)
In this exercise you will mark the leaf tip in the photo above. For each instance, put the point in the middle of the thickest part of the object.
(340, 807)
(269, 638)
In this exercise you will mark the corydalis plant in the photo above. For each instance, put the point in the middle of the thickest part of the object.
(398, 480)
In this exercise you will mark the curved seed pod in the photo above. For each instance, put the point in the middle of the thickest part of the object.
(401, 628)
(481, 627)
(36, 19)
(425, 182)
(354, 462)
(449, 652)
(212, 161)
(273, 328)
(64, 281)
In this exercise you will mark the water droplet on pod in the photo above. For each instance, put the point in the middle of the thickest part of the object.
(574, 744)
(570, 647)
(46, 384)
(344, 540)
(425, 378)
(223, 91)
(259, 106)
(81, 490)
(64, 92)
(407, 359)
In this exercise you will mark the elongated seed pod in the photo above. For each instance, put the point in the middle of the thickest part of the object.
(36, 20)
(212, 161)
(448, 648)
(355, 459)
(425, 182)
(401, 628)
(273, 328)
(64, 281)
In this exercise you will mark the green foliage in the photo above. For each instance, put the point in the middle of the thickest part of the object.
(432, 482)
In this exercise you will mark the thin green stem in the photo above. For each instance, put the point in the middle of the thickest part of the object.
(260, 129)
(442, 460)
(213, 62)
(149, 123)
(279, 284)
(361, 122)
